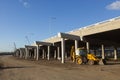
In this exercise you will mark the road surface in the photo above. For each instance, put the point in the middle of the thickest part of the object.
(19, 69)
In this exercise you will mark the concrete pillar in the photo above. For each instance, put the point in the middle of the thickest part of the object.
(66, 55)
(35, 52)
(26, 53)
(76, 44)
(63, 50)
(30, 53)
(43, 54)
(115, 53)
(88, 47)
(58, 53)
(21, 54)
(37, 55)
(48, 55)
(55, 54)
(16, 54)
(103, 52)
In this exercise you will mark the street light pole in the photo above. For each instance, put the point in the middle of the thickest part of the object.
(50, 24)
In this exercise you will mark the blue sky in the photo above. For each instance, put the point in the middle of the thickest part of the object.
(41, 19)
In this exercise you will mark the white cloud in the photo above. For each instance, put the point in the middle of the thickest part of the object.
(25, 3)
(114, 6)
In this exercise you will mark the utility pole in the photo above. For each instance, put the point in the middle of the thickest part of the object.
(50, 24)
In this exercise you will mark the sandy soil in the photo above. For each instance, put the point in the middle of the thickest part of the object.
(19, 69)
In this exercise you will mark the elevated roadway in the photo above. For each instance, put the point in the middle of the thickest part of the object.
(105, 33)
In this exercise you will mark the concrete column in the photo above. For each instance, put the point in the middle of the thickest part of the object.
(66, 55)
(76, 44)
(55, 55)
(43, 54)
(21, 54)
(103, 52)
(26, 53)
(63, 50)
(58, 53)
(37, 55)
(115, 53)
(30, 53)
(48, 55)
(88, 47)
(17, 53)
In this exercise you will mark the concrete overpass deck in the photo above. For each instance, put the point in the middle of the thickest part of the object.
(106, 33)
(109, 28)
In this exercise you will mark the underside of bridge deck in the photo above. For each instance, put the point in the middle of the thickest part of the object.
(109, 38)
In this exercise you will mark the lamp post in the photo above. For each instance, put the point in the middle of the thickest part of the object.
(50, 24)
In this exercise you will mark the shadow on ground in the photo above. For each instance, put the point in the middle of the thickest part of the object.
(12, 67)
(113, 63)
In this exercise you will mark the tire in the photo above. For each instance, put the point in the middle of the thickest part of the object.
(84, 60)
(91, 62)
(79, 61)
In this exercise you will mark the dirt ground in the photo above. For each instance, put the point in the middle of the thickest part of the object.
(19, 69)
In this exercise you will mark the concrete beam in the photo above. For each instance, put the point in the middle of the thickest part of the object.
(44, 43)
(100, 41)
(68, 36)
(29, 46)
(101, 27)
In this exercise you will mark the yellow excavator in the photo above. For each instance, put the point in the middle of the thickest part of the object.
(80, 56)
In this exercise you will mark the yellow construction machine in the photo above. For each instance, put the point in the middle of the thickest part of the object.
(80, 56)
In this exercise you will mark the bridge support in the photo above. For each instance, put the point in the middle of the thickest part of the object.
(76, 44)
(63, 50)
(48, 55)
(35, 52)
(21, 54)
(88, 47)
(115, 53)
(43, 54)
(103, 52)
(55, 54)
(58, 53)
(37, 55)
(27, 52)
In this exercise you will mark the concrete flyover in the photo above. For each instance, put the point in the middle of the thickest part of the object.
(41, 44)
(102, 34)
(30, 52)
(97, 36)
